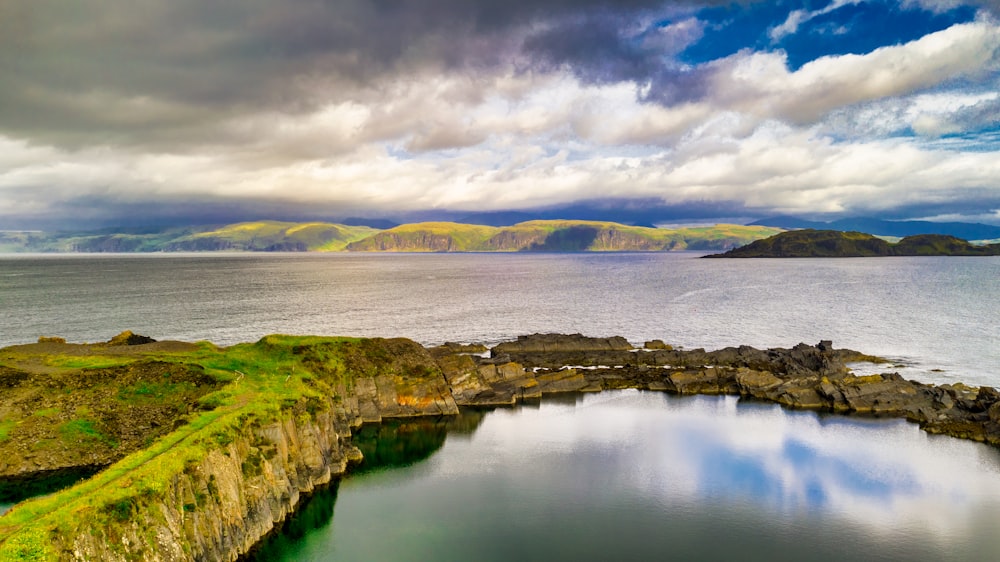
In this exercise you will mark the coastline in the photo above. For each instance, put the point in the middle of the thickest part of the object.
(220, 481)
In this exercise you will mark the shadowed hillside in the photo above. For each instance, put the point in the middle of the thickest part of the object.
(556, 236)
(832, 243)
(277, 236)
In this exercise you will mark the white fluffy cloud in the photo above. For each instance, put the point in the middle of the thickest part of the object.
(848, 133)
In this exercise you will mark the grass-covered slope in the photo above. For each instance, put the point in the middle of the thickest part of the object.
(810, 243)
(272, 236)
(427, 237)
(268, 236)
(555, 236)
(165, 411)
(277, 236)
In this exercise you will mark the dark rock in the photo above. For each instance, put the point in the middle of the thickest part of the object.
(128, 338)
(560, 343)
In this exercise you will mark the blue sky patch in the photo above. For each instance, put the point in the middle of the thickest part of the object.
(847, 29)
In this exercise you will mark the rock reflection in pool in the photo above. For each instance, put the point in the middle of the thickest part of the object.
(636, 475)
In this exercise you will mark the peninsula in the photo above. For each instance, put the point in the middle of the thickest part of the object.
(203, 450)
(810, 243)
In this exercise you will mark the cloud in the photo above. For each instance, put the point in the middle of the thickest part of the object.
(95, 72)
(761, 84)
(338, 108)
(797, 17)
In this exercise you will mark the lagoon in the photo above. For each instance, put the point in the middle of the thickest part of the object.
(631, 475)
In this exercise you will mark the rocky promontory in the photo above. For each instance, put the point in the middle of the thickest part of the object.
(203, 469)
(810, 243)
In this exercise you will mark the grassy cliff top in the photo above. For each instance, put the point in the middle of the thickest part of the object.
(152, 410)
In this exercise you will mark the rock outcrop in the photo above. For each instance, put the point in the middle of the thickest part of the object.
(809, 243)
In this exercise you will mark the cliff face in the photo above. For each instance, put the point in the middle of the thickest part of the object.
(411, 242)
(218, 508)
(223, 505)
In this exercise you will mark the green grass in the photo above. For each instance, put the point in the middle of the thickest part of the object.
(86, 362)
(5, 428)
(83, 431)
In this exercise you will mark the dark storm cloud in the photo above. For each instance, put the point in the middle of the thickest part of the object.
(252, 109)
(158, 71)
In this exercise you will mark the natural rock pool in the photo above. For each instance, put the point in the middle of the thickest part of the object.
(631, 475)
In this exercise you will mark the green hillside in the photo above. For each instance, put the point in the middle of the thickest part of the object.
(278, 236)
(810, 243)
(426, 237)
(272, 236)
(556, 236)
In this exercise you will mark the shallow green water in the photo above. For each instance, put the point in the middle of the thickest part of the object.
(640, 476)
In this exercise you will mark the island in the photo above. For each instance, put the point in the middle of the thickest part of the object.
(809, 243)
(197, 452)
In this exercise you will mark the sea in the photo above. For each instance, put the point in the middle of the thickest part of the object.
(620, 475)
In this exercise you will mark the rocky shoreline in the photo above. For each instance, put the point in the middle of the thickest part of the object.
(218, 505)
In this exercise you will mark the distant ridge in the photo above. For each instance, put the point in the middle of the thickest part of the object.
(810, 243)
(879, 227)
(556, 236)
(278, 236)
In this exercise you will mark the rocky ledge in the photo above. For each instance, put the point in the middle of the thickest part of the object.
(235, 465)
(805, 376)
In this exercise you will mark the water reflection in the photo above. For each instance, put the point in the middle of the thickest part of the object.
(400, 443)
(631, 475)
(313, 514)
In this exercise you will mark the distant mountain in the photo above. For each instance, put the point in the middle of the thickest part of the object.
(810, 243)
(277, 236)
(555, 236)
(878, 227)
(273, 236)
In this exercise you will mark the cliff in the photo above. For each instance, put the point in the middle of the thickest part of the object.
(555, 236)
(278, 236)
(228, 473)
(279, 415)
(832, 243)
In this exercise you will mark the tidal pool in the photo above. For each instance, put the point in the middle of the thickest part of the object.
(631, 475)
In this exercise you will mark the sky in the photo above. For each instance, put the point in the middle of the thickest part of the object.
(194, 111)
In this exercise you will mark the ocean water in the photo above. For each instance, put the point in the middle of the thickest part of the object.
(937, 317)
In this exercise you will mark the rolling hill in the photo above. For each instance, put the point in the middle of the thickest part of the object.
(555, 236)
(277, 236)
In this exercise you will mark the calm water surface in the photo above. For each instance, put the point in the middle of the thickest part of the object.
(645, 476)
(930, 313)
